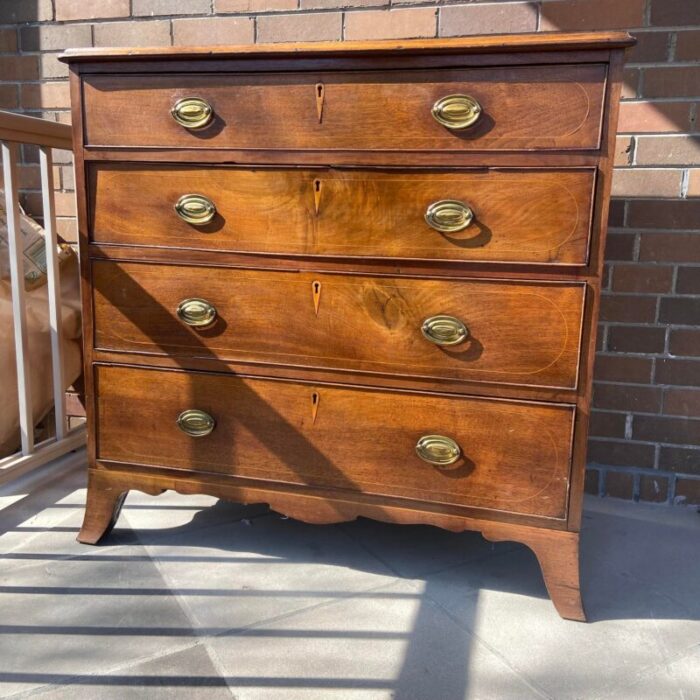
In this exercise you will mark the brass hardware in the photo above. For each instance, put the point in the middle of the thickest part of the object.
(456, 112)
(195, 423)
(192, 112)
(438, 450)
(198, 313)
(449, 215)
(444, 330)
(195, 209)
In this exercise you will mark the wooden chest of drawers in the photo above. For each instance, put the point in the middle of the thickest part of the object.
(355, 279)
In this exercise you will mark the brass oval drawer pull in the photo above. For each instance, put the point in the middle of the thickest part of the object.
(192, 112)
(195, 423)
(197, 313)
(195, 209)
(438, 450)
(449, 215)
(456, 112)
(444, 330)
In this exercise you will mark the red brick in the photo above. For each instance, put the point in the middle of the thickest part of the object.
(463, 20)
(19, 67)
(327, 4)
(688, 491)
(607, 424)
(664, 215)
(667, 150)
(688, 280)
(621, 453)
(627, 308)
(616, 213)
(148, 33)
(17, 11)
(651, 46)
(52, 95)
(392, 24)
(647, 182)
(681, 311)
(694, 183)
(621, 368)
(674, 13)
(630, 83)
(625, 397)
(316, 27)
(688, 45)
(618, 485)
(51, 67)
(592, 482)
(670, 247)
(8, 39)
(636, 339)
(681, 81)
(620, 246)
(640, 117)
(254, 5)
(591, 14)
(9, 96)
(677, 372)
(213, 31)
(71, 10)
(155, 8)
(642, 279)
(624, 146)
(55, 37)
(685, 341)
(680, 459)
(678, 431)
(682, 402)
(653, 489)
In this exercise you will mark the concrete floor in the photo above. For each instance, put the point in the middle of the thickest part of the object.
(196, 598)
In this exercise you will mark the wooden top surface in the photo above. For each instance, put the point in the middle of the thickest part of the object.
(541, 41)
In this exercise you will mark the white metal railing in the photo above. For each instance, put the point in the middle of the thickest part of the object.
(16, 129)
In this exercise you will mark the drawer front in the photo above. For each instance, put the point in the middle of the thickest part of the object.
(522, 108)
(514, 456)
(516, 332)
(527, 216)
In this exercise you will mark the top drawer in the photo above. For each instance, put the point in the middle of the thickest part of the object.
(520, 109)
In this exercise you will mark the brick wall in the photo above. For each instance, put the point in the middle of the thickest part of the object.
(645, 433)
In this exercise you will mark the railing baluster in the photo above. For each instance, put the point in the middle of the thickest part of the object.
(16, 249)
(54, 289)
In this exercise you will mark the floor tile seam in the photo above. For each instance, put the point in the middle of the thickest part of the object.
(519, 673)
(648, 671)
(326, 602)
(73, 680)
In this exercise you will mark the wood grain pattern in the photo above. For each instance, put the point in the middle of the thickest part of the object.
(520, 333)
(528, 216)
(358, 439)
(523, 43)
(525, 108)
(529, 87)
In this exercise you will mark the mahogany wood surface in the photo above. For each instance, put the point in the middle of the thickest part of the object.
(518, 332)
(341, 438)
(371, 130)
(524, 108)
(525, 43)
(529, 216)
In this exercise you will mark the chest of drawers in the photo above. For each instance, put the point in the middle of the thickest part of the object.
(356, 279)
